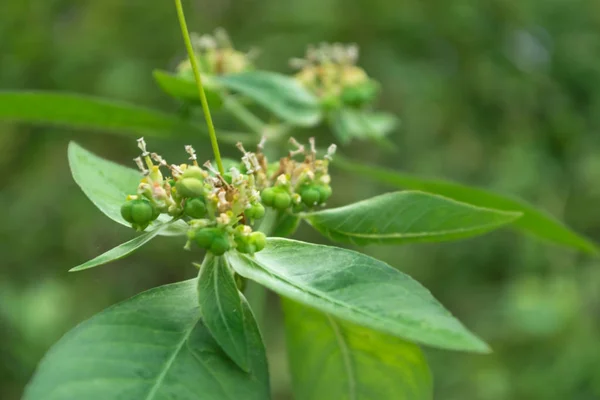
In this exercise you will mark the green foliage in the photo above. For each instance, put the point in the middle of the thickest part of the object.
(348, 124)
(150, 347)
(402, 217)
(221, 306)
(334, 359)
(343, 283)
(533, 221)
(98, 114)
(279, 94)
(122, 250)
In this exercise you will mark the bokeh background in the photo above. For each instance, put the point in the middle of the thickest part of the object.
(503, 94)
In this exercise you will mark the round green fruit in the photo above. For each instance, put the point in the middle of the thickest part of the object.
(259, 240)
(195, 207)
(268, 196)
(310, 196)
(220, 245)
(282, 201)
(324, 193)
(190, 187)
(204, 237)
(256, 211)
(193, 172)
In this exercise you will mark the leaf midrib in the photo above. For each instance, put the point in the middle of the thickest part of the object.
(169, 363)
(350, 308)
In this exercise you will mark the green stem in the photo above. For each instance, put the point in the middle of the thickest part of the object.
(194, 63)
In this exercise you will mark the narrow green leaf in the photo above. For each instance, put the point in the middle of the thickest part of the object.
(121, 251)
(79, 111)
(533, 221)
(107, 185)
(221, 308)
(355, 288)
(279, 94)
(348, 123)
(334, 359)
(151, 347)
(184, 88)
(403, 217)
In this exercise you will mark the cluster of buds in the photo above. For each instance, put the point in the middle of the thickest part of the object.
(216, 56)
(291, 184)
(330, 72)
(219, 209)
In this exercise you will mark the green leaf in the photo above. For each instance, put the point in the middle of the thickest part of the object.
(184, 88)
(285, 224)
(152, 347)
(221, 308)
(355, 288)
(281, 95)
(349, 123)
(107, 185)
(122, 250)
(333, 359)
(403, 217)
(533, 221)
(79, 111)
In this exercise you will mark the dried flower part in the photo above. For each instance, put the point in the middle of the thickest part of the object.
(330, 72)
(217, 56)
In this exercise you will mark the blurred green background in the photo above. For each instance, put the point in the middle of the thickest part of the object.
(504, 94)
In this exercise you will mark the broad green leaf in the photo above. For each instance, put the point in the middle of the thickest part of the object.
(75, 110)
(122, 250)
(184, 88)
(152, 347)
(533, 221)
(348, 123)
(107, 185)
(334, 359)
(281, 95)
(403, 217)
(355, 288)
(221, 308)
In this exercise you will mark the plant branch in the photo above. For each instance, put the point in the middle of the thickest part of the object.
(194, 63)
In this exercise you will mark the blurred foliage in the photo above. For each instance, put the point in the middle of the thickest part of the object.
(499, 93)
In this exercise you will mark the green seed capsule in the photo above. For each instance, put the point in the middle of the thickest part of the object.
(195, 207)
(220, 245)
(259, 240)
(194, 172)
(310, 196)
(324, 193)
(139, 213)
(243, 245)
(205, 236)
(282, 201)
(190, 187)
(256, 211)
(268, 196)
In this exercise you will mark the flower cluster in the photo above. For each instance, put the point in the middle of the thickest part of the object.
(221, 209)
(216, 55)
(292, 184)
(330, 72)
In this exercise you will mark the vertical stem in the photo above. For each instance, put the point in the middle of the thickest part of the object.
(194, 63)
